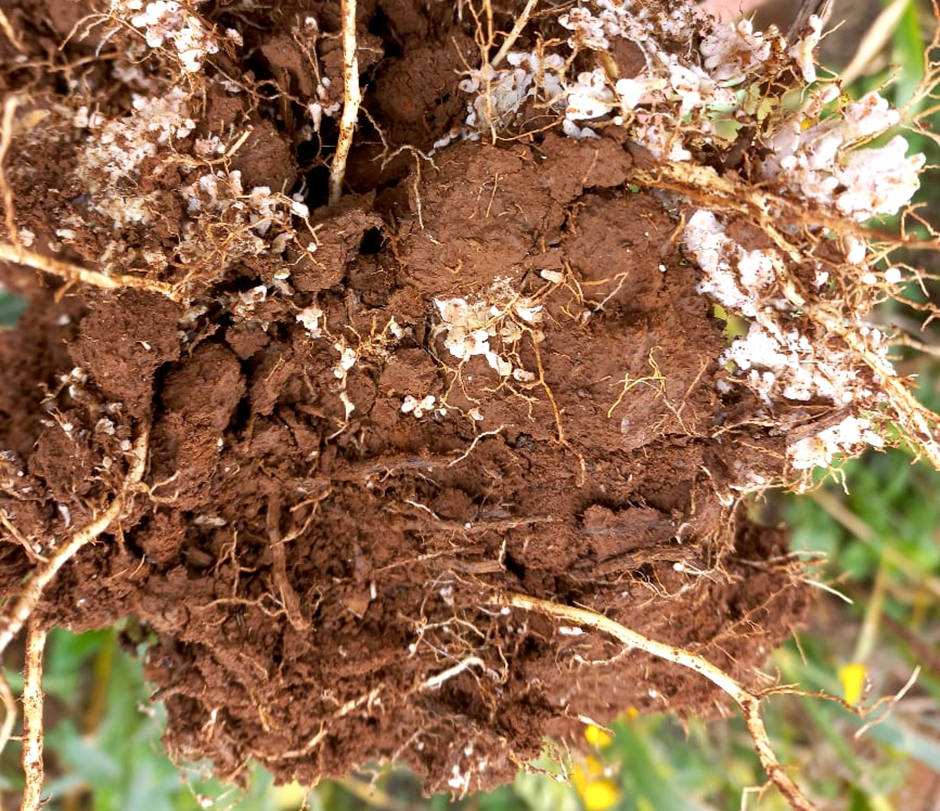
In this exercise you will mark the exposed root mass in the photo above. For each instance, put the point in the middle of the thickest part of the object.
(345, 317)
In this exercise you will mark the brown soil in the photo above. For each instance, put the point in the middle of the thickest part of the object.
(309, 557)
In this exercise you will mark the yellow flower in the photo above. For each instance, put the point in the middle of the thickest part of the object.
(600, 794)
(291, 796)
(597, 792)
(853, 677)
(596, 736)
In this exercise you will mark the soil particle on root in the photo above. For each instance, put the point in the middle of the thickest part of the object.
(505, 381)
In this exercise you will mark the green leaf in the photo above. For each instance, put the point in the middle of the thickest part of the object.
(11, 308)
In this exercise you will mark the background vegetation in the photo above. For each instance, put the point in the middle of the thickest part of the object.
(877, 545)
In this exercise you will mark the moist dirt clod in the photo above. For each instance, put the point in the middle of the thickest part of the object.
(485, 370)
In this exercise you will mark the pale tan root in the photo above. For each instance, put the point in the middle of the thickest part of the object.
(748, 702)
(74, 273)
(352, 98)
(15, 617)
(10, 33)
(521, 22)
(14, 252)
(6, 137)
(19, 613)
(32, 717)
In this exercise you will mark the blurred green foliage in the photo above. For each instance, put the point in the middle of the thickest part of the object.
(102, 750)
(11, 308)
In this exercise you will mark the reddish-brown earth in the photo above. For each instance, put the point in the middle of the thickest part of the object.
(309, 558)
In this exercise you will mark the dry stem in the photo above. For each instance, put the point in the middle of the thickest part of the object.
(14, 618)
(32, 717)
(744, 698)
(352, 98)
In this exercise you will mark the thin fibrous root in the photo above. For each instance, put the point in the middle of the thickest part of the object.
(16, 616)
(434, 682)
(748, 702)
(352, 98)
(32, 717)
(74, 273)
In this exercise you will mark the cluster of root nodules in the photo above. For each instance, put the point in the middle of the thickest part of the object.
(486, 373)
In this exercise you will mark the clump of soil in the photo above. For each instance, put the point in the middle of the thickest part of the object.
(483, 371)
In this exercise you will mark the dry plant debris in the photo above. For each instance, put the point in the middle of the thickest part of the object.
(347, 319)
